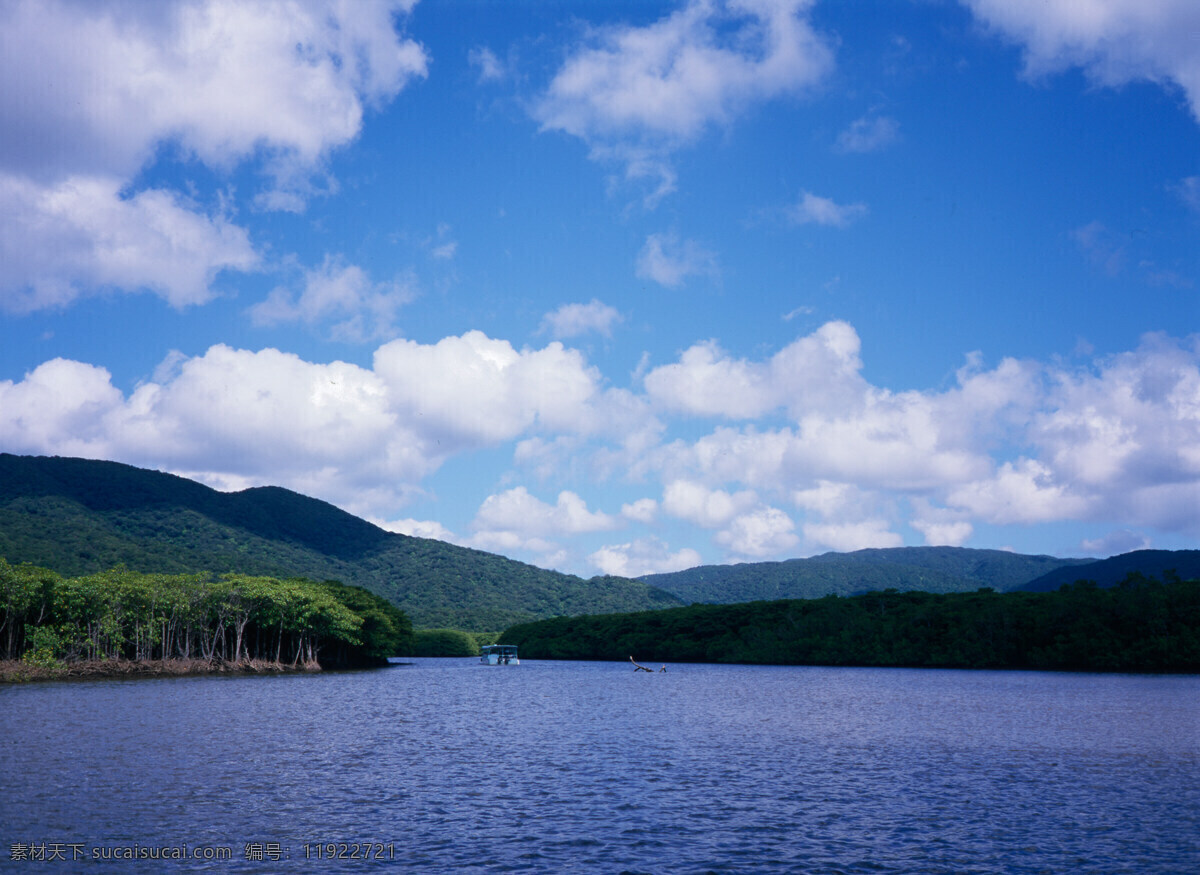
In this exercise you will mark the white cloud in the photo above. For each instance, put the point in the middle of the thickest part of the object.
(669, 261)
(709, 508)
(642, 556)
(419, 529)
(361, 438)
(760, 534)
(489, 66)
(673, 78)
(826, 497)
(846, 537)
(868, 134)
(62, 407)
(517, 511)
(80, 236)
(477, 390)
(514, 520)
(1114, 41)
(817, 372)
(105, 87)
(822, 211)
(343, 295)
(1020, 443)
(572, 320)
(644, 510)
(1113, 442)
(941, 527)
(636, 93)
(103, 83)
(1026, 491)
(1115, 543)
(1128, 430)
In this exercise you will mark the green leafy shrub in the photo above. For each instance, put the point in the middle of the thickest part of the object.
(445, 642)
(43, 646)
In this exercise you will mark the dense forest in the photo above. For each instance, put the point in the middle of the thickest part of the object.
(231, 618)
(80, 517)
(1140, 625)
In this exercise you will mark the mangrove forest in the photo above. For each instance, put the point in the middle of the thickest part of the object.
(228, 619)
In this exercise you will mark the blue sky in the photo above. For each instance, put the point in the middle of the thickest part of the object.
(620, 287)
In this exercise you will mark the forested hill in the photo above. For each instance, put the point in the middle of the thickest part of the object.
(79, 516)
(1111, 571)
(925, 569)
(1139, 625)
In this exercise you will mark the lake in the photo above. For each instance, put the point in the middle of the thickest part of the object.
(445, 765)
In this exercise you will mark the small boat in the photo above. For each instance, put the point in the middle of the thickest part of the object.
(499, 654)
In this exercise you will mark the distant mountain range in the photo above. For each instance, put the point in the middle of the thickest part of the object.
(1104, 573)
(926, 569)
(78, 516)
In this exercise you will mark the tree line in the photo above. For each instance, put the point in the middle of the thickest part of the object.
(234, 618)
(1143, 625)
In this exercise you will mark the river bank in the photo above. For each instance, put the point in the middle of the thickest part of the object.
(17, 671)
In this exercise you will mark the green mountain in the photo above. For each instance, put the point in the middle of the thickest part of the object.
(1109, 572)
(78, 516)
(925, 569)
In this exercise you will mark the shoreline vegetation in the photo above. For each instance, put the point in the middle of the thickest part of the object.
(1141, 625)
(126, 623)
(22, 671)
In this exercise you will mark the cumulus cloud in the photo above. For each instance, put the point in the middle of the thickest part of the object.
(1026, 491)
(644, 510)
(761, 534)
(419, 529)
(941, 526)
(362, 438)
(1127, 433)
(229, 79)
(280, 83)
(814, 210)
(515, 520)
(517, 511)
(845, 537)
(636, 93)
(1019, 443)
(642, 556)
(61, 241)
(1113, 41)
(476, 390)
(747, 527)
(341, 295)
(709, 508)
(817, 372)
(572, 320)
(669, 261)
(1113, 441)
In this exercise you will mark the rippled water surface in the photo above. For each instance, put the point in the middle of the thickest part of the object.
(450, 766)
